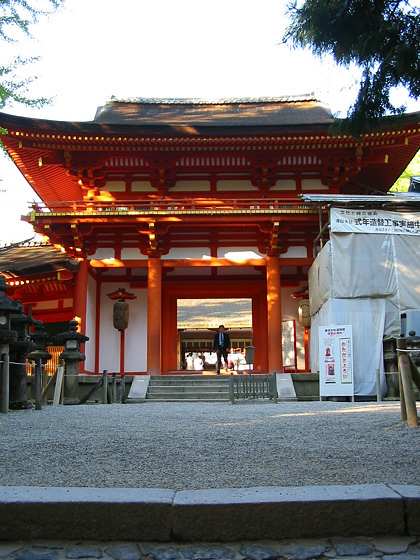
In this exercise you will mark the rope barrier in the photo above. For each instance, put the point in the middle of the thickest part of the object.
(16, 363)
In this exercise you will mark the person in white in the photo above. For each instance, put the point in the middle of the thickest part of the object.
(198, 363)
(190, 361)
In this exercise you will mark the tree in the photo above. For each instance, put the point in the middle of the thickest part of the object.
(403, 181)
(382, 37)
(16, 18)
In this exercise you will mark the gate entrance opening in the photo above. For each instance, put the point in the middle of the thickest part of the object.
(197, 323)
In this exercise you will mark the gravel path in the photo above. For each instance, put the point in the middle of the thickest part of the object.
(208, 445)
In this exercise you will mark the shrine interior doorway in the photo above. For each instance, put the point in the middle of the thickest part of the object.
(198, 321)
(248, 300)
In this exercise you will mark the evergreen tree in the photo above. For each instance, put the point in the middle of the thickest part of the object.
(380, 36)
(16, 18)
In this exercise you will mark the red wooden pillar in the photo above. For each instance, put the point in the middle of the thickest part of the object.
(80, 300)
(306, 348)
(80, 295)
(154, 315)
(97, 322)
(275, 361)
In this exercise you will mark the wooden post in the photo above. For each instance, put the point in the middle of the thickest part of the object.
(122, 389)
(122, 353)
(38, 385)
(378, 386)
(4, 383)
(231, 395)
(44, 379)
(407, 383)
(274, 386)
(58, 386)
(114, 387)
(45, 391)
(402, 398)
(415, 374)
(105, 386)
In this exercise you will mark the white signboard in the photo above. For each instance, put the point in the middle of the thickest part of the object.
(336, 361)
(350, 220)
(288, 343)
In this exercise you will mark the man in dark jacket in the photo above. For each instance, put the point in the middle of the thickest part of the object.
(221, 344)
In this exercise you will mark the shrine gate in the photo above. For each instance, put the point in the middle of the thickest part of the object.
(178, 199)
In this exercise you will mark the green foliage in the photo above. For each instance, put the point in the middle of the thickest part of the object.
(16, 18)
(380, 36)
(403, 182)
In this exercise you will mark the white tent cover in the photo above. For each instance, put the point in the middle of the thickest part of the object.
(366, 280)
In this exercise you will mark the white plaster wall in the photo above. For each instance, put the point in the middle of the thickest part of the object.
(46, 305)
(191, 186)
(313, 184)
(132, 253)
(135, 334)
(295, 253)
(114, 186)
(106, 253)
(284, 185)
(289, 311)
(234, 185)
(142, 186)
(239, 252)
(90, 324)
(188, 253)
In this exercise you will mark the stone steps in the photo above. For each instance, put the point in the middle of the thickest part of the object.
(193, 387)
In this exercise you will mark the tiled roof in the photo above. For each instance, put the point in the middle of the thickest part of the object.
(279, 111)
(220, 101)
(33, 258)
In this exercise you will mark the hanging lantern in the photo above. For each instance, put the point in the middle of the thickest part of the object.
(120, 313)
(304, 313)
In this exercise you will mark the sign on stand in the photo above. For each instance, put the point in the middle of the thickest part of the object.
(336, 361)
(288, 332)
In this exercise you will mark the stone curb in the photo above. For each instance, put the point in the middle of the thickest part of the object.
(218, 515)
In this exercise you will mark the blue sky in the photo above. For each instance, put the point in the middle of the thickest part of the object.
(94, 49)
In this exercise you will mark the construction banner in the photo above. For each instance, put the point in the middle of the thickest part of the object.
(353, 220)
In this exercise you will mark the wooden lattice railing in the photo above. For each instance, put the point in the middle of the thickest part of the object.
(259, 386)
(134, 207)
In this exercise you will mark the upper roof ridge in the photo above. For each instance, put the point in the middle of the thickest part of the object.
(214, 101)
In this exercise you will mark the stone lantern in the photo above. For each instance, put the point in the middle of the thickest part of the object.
(40, 339)
(39, 352)
(8, 307)
(18, 352)
(72, 355)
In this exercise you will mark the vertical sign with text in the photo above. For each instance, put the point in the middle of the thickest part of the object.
(336, 361)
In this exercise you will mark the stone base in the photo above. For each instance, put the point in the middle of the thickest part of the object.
(21, 405)
(218, 515)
